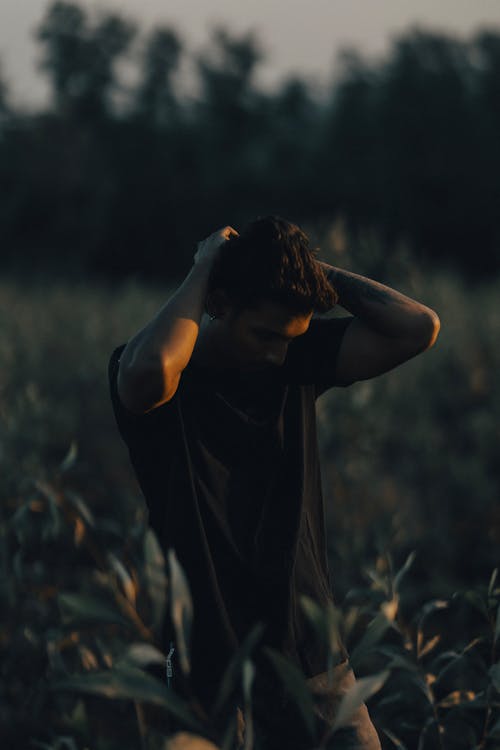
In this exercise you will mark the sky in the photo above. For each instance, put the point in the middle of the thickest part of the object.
(297, 37)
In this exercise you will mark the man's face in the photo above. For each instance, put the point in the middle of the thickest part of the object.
(258, 338)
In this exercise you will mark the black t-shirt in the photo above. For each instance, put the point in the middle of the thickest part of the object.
(229, 469)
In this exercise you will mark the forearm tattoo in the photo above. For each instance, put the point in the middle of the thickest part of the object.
(382, 307)
(354, 290)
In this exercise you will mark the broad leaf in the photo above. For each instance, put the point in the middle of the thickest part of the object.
(423, 649)
(363, 688)
(123, 576)
(231, 677)
(395, 740)
(155, 578)
(70, 457)
(82, 608)
(403, 570)
(81, 506)
(132, 684)
(493, 579)
(494, 673)
(141, 654)
(373, 634)
(181, 609)
(248, 678)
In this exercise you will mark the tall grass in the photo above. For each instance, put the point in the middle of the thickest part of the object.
(409, 462)
(409, 459)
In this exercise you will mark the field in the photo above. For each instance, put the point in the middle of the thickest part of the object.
(409, 459)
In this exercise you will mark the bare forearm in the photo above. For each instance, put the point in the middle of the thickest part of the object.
(384, 309)
(171, 335)
(153, 359)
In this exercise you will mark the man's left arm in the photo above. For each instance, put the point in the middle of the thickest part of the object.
(388, 329)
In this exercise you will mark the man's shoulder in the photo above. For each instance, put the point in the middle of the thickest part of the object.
(131, 424)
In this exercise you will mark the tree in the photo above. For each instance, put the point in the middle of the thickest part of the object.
(5, 107)
(230, 119)
(80, 59)
(346, 145)
(155, 99)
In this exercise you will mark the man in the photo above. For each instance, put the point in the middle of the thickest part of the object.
(215, 399)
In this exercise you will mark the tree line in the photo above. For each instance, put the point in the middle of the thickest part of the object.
(115, 178)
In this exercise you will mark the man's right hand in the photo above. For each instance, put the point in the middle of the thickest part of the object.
(209, 247)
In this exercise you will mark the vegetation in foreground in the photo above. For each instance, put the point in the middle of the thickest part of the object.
(77, 640)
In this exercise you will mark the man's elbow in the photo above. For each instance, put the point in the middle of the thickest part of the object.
(430, 329)
(143, 389)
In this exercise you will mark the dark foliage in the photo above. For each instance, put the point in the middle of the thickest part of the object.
(81, 666)
(117, 178)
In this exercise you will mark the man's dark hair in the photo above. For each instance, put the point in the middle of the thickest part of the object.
(271, 261)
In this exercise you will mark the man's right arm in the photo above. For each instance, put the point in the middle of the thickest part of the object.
(153, 360)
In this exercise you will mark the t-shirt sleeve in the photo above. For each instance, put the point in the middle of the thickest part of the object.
(312, 357)
(134, 427)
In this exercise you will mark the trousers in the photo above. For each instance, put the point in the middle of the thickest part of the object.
(358, 734)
